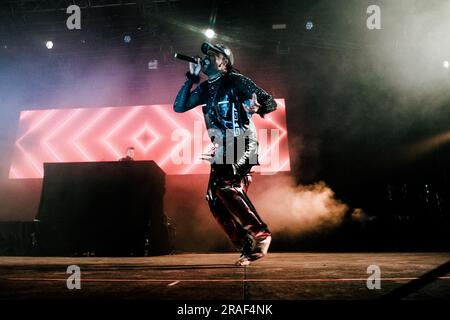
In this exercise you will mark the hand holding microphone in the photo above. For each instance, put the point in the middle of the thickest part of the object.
(195, 68)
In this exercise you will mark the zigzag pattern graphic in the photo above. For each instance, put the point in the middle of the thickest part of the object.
(155, 131)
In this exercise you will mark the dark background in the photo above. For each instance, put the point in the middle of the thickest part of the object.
(367, 110)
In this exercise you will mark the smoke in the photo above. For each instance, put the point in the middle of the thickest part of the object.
(289, 209)
(294, 209)
(412, 51)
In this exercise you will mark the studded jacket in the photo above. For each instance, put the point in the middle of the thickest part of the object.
(222, 100)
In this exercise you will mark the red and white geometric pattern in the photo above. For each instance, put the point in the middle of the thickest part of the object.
(174, 141)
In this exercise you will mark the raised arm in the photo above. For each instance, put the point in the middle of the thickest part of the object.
(186, 99)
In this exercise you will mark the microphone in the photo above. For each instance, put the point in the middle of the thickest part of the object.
(184, 57)
(203, 62)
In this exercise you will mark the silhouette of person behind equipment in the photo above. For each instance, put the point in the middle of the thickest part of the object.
(129, 155)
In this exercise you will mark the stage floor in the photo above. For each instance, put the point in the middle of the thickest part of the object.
(279, 276)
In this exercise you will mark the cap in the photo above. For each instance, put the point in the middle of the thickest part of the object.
(218, 48)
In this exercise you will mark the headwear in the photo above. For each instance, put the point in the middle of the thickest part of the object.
(219, 48)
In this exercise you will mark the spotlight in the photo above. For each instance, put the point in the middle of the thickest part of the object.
(49, 44)
(309, 25)
(446, 64)
(127, 39)
(209, 33)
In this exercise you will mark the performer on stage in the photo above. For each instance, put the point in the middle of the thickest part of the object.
(230, 99)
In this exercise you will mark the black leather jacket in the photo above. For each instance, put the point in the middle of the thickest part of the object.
(222, 100)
